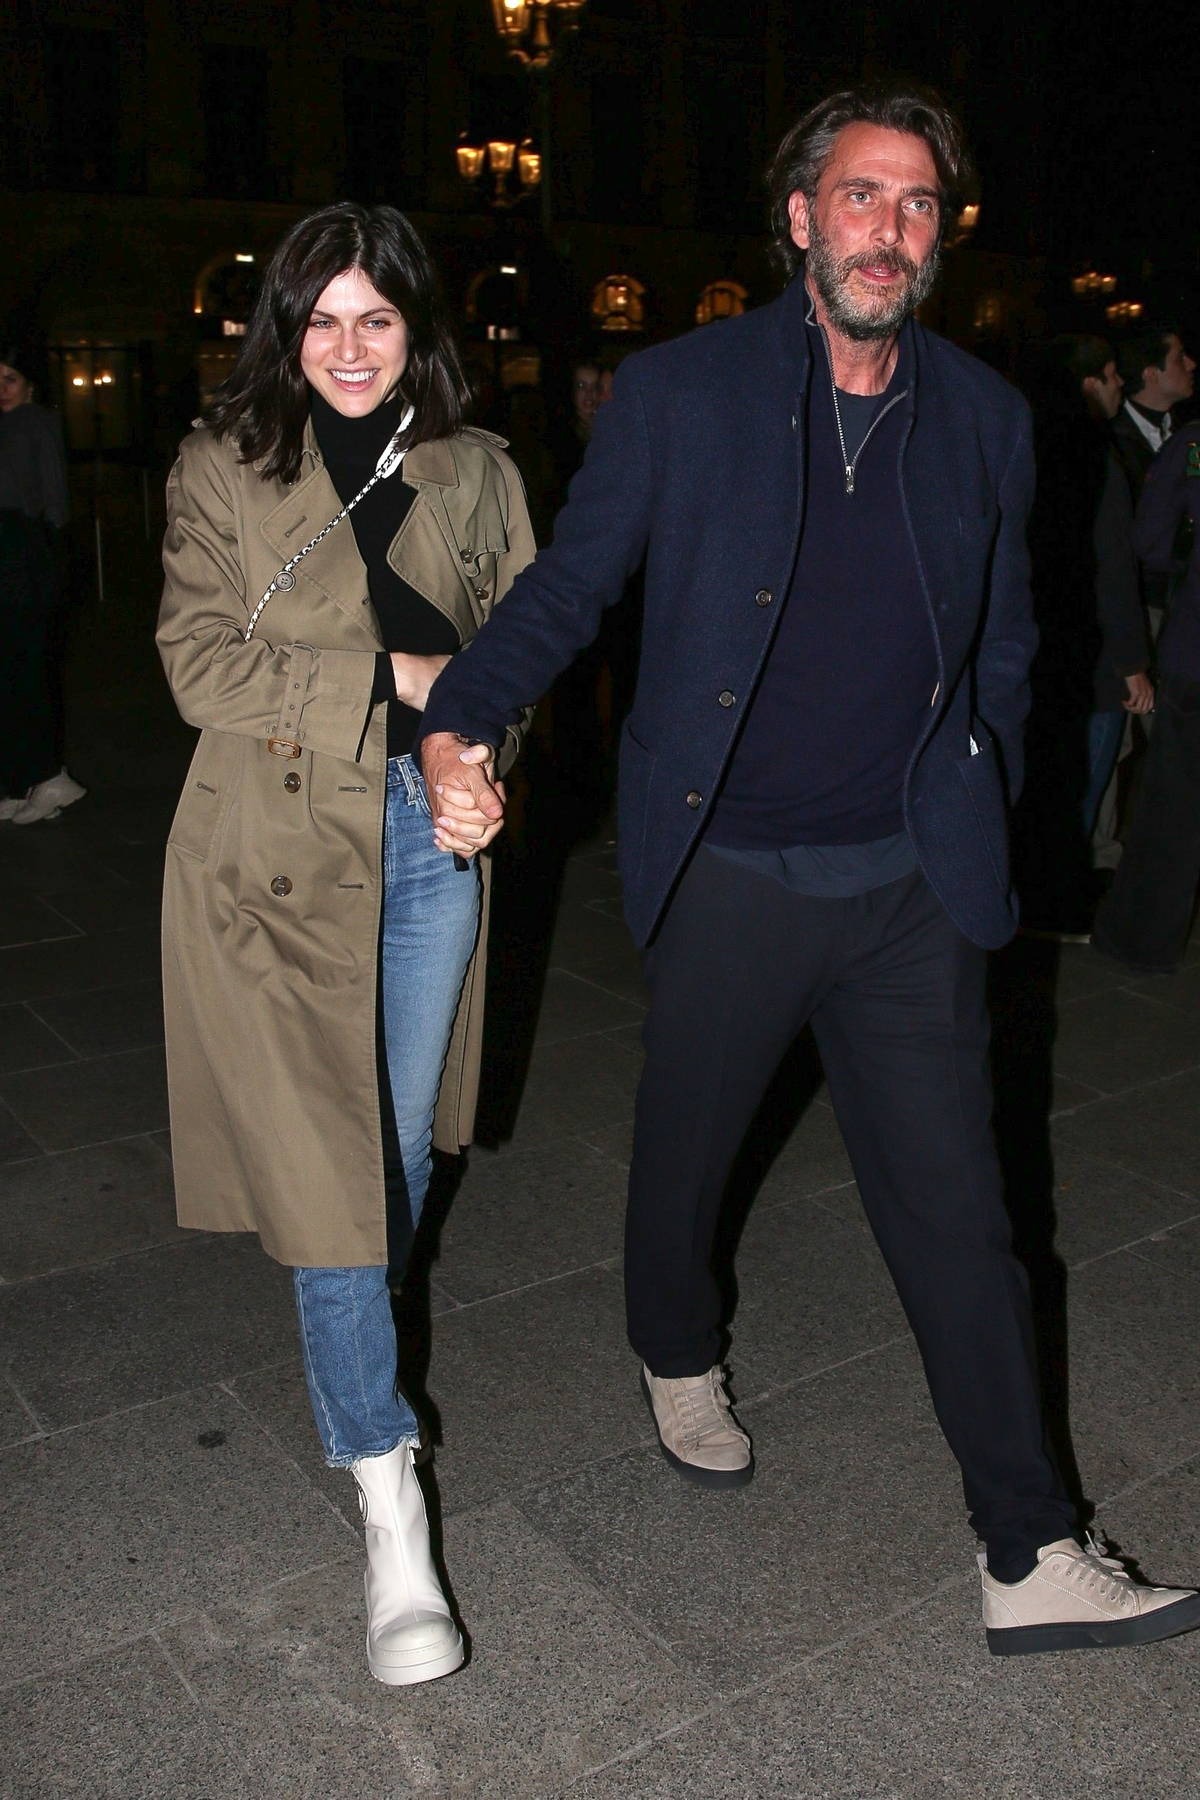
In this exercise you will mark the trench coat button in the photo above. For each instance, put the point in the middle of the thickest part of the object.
(292, 783)
(695, 800)
(467, 555)
(763, 597)
(481, 593)
(725, 698)
(281, 886)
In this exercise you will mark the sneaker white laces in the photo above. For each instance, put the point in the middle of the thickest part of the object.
(707, 1405)
(1095, 1544)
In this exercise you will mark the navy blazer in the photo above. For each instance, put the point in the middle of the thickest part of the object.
(697, 464)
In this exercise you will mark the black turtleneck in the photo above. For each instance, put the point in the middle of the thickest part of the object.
(351, 448)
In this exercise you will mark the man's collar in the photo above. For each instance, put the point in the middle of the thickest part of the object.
(1155, 427)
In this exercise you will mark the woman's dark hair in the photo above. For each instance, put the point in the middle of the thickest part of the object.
(801, 158)
(264, 403)
(26, 357)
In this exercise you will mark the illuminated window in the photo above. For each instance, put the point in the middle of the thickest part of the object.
(721, 300)
(618, 303)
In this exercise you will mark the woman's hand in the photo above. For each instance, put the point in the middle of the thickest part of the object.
(414, 676)
(466, 800)
(1140, 694)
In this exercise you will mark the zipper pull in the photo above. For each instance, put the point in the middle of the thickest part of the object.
(849, 478)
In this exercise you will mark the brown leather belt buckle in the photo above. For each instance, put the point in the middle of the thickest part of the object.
(282, 747)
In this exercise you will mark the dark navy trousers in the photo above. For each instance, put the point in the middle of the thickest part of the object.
(895, 996)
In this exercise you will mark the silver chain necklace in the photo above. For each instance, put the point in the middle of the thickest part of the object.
(849, 464)
(285, 581)
(846, 462)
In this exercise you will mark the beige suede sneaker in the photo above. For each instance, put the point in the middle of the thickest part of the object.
(1078, 1599)
(697, 1432)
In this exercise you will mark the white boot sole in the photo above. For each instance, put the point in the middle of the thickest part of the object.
(423, 1667)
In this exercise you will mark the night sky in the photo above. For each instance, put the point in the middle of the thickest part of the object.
(1083, 118)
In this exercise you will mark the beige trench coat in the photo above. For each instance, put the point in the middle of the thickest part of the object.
(274, 862)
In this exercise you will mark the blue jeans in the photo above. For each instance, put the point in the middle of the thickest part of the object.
(429, 923)
(1105, 732)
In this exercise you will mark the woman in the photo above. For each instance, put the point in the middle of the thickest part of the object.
(322, 956)
(33, 509)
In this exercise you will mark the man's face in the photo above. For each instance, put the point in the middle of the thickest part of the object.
(870, 230)
(1164, 388)
(1103, 392)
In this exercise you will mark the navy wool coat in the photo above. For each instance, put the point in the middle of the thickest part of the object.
(697, 464)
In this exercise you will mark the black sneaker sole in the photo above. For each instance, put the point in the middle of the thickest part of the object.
(708, 1478)
(1146, 1628)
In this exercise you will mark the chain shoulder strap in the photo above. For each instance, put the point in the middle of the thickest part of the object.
(285, 581)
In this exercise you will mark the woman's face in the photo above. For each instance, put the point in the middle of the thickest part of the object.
(356, 347)
(14, 389)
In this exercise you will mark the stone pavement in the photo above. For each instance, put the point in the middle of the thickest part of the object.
(181, 1579)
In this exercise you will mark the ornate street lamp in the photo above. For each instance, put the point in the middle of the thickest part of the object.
(503, 158)
(1091, 285)
(532, 30)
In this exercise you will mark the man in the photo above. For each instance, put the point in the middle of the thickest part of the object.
(1157, 373)
(833, 680)
(1089, 674)
(1146, 920)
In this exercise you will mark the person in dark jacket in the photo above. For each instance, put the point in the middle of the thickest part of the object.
(831, 502)
(1090, 671)
(33, 511)
(1145, 921)
(1158, 375)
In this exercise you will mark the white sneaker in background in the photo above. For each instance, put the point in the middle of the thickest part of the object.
(47, 799)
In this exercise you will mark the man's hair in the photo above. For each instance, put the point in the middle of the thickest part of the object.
(1052, 371)
(801, 158)
(1085, 357)
(1145, 349)
(264, 403)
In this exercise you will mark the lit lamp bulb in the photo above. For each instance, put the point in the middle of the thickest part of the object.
(500, 154)
(470, 159)
(512, 17)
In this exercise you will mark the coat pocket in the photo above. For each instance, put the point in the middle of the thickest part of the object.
(634, 781)
(205, 797)
(981, 778)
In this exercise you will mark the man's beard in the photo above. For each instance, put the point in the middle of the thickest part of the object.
(859, 319)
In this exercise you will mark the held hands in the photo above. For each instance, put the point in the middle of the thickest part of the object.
(466, 800)
(1140, 695)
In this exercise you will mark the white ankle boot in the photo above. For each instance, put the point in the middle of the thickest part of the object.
(410, 1634)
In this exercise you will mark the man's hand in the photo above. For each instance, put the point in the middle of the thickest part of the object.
(1140, 696)
(466, 800)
